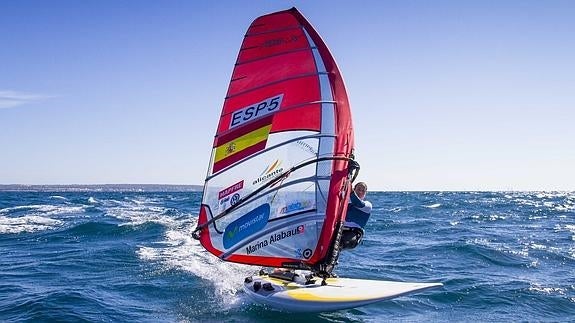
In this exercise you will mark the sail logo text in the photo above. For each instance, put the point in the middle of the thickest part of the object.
(256, 110)
(231, 189)
(274, 238)
(269, 172)
(306, 147)
(296, 206)
(246, 225)
(280, 41)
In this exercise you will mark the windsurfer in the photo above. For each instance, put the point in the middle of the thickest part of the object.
(358, 212)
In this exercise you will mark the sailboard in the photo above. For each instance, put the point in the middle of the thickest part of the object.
(311, 294)
(281, 165)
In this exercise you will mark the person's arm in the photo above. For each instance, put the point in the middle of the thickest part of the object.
(355, 201)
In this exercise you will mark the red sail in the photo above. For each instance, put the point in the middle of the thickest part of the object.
(277, 182)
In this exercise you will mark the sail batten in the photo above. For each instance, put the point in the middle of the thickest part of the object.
(276, 82)
(277, 182)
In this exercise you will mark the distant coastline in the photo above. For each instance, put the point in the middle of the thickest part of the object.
(188, 188)
(100, 188)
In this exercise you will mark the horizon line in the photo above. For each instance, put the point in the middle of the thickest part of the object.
(199, 186)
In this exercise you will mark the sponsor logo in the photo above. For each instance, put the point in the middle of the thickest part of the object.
(296, 206)
(256, 110)
(298, 253)
(229, 190)
(269, 172)
(275, 237)
(246, 225)
(306, 147)
(306, 254)
(235, 198)
(280, 41)
(223, 201)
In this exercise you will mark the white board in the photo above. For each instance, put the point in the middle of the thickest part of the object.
(339, 293)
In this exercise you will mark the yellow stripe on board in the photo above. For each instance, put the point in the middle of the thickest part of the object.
(298, 292)
(302, 295)
(308, 294)
(235, 146)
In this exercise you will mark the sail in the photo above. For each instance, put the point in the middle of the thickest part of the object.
(278, 182)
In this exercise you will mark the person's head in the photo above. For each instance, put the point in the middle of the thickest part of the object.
(360, 189)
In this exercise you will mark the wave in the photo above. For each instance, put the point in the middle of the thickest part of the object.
(37, 217)
(28, 223)
(130, 257)
(178, 250)
(58, 197)
(73, 305)
(43, 209)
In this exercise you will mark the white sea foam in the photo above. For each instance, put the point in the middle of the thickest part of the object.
(141, 215)
(523, 201)
(537, 217)
(180, 251)
(480, 242)
(547, 290)
(524, 252)
(138, 211)
(433, 206)
(480, 217)
(536, 246)
(28, 223)
(495, 217)
(144, 200)
(44, 210)
(32, 218)
(20, 208)
(543, 200)
(567, 227)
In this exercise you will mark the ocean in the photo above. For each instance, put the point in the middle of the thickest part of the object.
(125, 254)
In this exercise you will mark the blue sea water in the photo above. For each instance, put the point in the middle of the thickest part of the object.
(115, 256)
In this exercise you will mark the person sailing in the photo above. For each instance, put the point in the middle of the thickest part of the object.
(358, 213)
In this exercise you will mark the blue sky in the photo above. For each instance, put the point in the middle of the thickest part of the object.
(445, 95)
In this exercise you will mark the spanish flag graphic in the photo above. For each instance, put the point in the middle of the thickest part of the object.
(241, 143)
